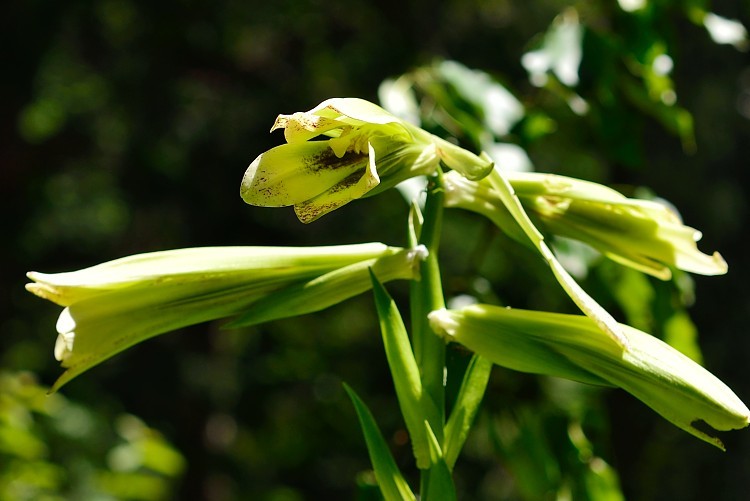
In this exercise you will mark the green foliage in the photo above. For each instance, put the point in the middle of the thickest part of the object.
(392, 484)
(551, 457)
(470, 395)
(54, 449)
(417, 407)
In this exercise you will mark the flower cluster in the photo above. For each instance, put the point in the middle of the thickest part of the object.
(345, 149)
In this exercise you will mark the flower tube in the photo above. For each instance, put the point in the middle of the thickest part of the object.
(573, 347)
(643, 234)
(112, 306)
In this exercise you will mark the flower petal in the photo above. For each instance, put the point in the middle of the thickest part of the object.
(293, 173)
(115, 305)
(65, 337)
(184, 266)
(509, 339)
(347, 189)
(300, 127)
(356, 109)
(105, 325)
(333, 287)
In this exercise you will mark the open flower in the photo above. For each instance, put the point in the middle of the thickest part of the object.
(364, 150)
(112, 306)
(573, 347)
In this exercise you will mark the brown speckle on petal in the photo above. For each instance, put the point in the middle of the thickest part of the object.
(328, 160)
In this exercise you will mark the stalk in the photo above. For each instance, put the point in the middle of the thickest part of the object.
(426, 295)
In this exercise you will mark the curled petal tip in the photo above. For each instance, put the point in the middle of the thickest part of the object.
(66, 336)
(43, 290)
(721, 265)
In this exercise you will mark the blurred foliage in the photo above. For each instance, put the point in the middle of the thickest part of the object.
(54, 449)
(127, 126)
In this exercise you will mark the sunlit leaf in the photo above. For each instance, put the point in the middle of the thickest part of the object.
(467, 403)
(416, 405)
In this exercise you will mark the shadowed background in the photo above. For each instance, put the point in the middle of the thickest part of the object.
(127, 126)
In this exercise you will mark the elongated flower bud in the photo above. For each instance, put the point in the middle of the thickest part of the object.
(643, 234)
(114, 305)
(571, 346)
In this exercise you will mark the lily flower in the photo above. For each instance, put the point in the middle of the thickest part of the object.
(112, 306)
(643, 234)
(363, 150)
(573, 347)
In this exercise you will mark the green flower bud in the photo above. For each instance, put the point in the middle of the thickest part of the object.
(114, 305)
(367, 150)
(643, 234)
(646, 235)
(573, 347)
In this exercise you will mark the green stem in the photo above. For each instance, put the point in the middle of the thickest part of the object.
(426, 295)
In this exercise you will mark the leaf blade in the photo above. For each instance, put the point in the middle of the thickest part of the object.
(416, 405)
(390, 480)
(469, 398)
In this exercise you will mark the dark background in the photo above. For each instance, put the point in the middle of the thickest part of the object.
(126, 126)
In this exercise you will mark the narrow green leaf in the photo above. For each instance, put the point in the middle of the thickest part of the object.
(467, 163)
(392, 483)
(469, 397)
(496, 199)
(416, 405)
(439, 485)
